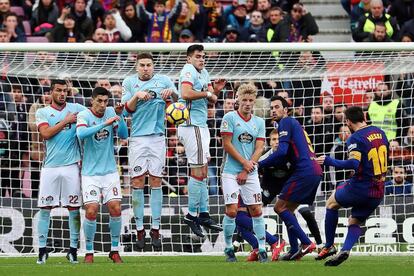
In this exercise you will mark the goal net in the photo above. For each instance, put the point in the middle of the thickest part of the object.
(318, 80)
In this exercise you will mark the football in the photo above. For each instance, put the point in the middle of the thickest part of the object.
(177, 113)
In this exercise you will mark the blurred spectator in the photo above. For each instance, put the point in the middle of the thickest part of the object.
(236, 16)
(402, 10)
(187, 19)
(328, 107)
(15, 32)
(4, 9)
(379, 34)
(302, 24)
(408, 29)
(319, 132)
(264, 6)
(44, 17)
(99, 36)
(405, 90)
(212, 20)
(251, 6)
(366, 23)
(408, 140)
(186, 36)
(116, 94)
(359, 10)
(103, 82)
(339, 151)
(398, 185)
(397, 153)
(84, 23)
(256, 24)
(116, 30)
(339, 117)
(4, 35)
(231, 34)
(137, 26)
(67, 31)
(159, 22)
(387, 113)
(275, 30)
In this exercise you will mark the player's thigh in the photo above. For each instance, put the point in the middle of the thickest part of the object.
(91, 189)
(157, 156)
(138, 155)
(111, 188)
(300, 189)
(231, 189)
(49, 188)
(250, 192)
(196, 145)
(71, 186)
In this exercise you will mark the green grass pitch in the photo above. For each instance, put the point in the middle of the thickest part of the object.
(209, 265)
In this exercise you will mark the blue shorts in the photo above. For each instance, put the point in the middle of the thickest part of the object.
(300, 189)
(362, 206)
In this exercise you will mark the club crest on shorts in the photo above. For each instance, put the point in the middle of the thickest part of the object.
(93, 193)
(137, 168)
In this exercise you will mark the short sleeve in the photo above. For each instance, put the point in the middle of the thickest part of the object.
(285, 130)
(354, 148)
(82, 119)
(261, 131)
(187, 75)
(226, 127)
(41, 118)
(126, 91)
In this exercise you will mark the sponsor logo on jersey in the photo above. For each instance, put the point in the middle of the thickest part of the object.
(245, 138)
(102, 135)
(283, 133)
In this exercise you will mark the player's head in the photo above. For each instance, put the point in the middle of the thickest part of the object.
(59, 91)
(100, 99)
(195, 56)
(398, 174)
(354, 116)
(274, 139)
(145, 66)
(246, 95)
(279, 107)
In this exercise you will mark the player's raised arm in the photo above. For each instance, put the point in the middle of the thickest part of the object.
(47, 131)
(188, 93)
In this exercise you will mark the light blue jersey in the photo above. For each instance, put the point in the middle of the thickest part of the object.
(98, 146)
(200, 81)
(244, 136)
(149, 116)
(63, 148)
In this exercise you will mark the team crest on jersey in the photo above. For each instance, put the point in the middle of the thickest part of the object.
(137, 169)
(102, 135)
(245, 138)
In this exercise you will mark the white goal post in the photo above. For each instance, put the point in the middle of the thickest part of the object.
(315, 77)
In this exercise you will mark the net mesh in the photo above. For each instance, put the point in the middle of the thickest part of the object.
(317, 85)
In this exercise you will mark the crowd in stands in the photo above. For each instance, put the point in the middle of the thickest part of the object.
(381, 20)
(156, 21)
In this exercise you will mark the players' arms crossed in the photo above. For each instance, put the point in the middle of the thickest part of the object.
(277, 157)
(48, 132)
(131, 105)
(258, 149)
(167, 93)
(351, 163)
(83, 131)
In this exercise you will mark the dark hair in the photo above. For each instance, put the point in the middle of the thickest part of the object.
(274, 8)
(355, 114)
(193, 48)
(340, 105)
(54, 82)
(159, 2)
(144, 55)
(279, 98)
(3, 30)
(100, 91)
(380, 24)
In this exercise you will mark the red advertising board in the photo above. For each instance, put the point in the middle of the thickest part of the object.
(348, 82)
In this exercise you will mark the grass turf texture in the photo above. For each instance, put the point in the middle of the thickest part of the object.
(208, 265)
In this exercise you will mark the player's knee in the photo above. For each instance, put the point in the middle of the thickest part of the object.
(231, 210)
(279, 207)
(155, 182)
(115, 209)
(138, 182)
(91, 212)
(255, 210)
